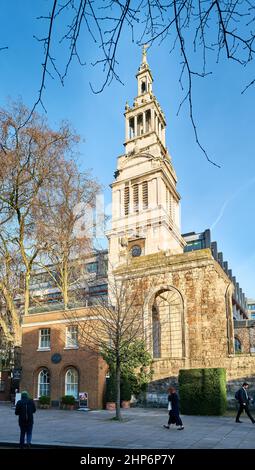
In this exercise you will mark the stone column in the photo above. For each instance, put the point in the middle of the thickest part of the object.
(152, 120)
(144, 124)
(127, 129)
(135, 126)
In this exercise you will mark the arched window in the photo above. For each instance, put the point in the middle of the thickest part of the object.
(143, 87)
(43, 383)
(71, 382)
(156, 332)
(238, 345)
(167, 325)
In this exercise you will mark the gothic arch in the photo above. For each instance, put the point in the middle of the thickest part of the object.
(62, 376)
(164, 323)
(41, 381)
(229, 319)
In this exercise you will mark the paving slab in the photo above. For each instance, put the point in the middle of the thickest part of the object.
(142, 428)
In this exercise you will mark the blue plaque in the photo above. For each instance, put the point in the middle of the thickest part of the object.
(56, 358)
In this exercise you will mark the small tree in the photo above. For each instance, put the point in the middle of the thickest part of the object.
(113, 328)
(136, 370)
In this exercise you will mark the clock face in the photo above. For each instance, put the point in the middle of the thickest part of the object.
(136, 250)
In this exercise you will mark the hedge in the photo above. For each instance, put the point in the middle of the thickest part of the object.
(203, 391)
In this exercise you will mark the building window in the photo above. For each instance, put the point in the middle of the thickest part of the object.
(167, 325)
(148, 120)
(136, 197)
(72, 336)
(145, 194)
(131, 128)
(44, 383)
(44, 338)
(156, 333)
(100, 289)
(92, 267)
(140, 124)
(238, 345)
(194, 245)
(71, 382)
(126, 200)
(143, 87)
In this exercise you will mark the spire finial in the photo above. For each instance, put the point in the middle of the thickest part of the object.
(145, 47)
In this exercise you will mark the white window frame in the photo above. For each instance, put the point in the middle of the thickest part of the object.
(43, 383)
(72, 374)
(71, 337)
(44, 335)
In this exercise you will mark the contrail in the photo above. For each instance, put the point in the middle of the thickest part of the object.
(225, 204)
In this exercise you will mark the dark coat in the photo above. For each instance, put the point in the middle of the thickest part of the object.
(173, 398)
(242, 398)
(25, 409)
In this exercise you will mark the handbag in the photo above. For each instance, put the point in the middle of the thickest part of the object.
(169, 406)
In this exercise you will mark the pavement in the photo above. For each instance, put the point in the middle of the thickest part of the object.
(142, 428)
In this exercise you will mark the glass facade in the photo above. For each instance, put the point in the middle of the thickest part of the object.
(194, 245)
(92, 267)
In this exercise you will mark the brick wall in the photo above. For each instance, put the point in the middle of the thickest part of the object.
(91, 369)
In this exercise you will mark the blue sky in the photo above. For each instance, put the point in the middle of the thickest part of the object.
(221, 199)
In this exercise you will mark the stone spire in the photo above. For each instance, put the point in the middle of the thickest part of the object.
(145, 201)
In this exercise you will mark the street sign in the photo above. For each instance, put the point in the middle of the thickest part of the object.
(17, 397)
(16, 374)
(83, 401)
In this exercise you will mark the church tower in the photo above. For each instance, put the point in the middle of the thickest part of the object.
(145, 202)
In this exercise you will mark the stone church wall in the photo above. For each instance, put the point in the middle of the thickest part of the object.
(208, 322)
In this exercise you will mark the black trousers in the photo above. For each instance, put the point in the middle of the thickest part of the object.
(174, 418)
(247, 411)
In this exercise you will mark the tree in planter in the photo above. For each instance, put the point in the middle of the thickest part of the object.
(125, 391)
(111, 390)
(68, 401)
(136, 369)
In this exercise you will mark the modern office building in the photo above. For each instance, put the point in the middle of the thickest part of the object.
(251, 309)
(198, 241)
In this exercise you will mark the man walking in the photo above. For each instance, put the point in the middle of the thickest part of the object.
(25, 408)
(243, 399)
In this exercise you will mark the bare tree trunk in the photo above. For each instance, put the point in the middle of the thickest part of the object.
(26, 292)
(15, 336)
(65, 284)
(118, 412)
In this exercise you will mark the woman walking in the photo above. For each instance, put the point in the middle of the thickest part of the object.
(173, 408)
